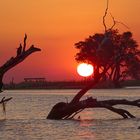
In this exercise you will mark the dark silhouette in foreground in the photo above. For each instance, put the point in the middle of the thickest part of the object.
(63, 110)
(3, 103)
(12, 62)
(104, 60)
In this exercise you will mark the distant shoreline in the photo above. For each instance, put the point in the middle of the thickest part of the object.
(130, 84)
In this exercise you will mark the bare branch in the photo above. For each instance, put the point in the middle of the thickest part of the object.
(13, 61)
(106, 10)
(124, 113)
(123, 24)
(4, 100)
(24, 45)
(114, 22)
(68, 111)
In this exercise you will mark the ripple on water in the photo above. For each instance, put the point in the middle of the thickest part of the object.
(26, 113)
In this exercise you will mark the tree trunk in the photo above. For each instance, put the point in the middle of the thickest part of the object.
(69, 110)
(116, 76)
(64, 110)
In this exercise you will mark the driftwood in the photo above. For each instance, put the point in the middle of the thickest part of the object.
(63, 110)
(69, 110)
(4, 100)
(3, 103)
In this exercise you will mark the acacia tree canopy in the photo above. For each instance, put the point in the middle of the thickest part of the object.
(120, 49)
(111, 54)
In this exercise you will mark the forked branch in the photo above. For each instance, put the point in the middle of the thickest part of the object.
(20, 56)
(104, 16)
(68, 111)
(4, 100)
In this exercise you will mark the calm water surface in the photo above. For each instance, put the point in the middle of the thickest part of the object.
(27, 111)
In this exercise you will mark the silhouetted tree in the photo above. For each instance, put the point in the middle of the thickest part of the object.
(106, 52)
(13, 61)
(121, 50)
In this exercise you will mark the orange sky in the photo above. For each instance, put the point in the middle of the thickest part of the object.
(54, 26)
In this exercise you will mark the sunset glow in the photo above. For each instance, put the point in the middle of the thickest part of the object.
(55, 26)
(84, 69)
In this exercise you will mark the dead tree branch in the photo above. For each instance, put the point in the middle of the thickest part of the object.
(68, 111)
(24, 45)
(123, 24)
(13, 61)
(104, 16)
(4, 100)
(3, 103)
(114, 22)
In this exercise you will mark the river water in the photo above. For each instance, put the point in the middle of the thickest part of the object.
(26, 117)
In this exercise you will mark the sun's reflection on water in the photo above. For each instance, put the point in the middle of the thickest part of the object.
(86, 124)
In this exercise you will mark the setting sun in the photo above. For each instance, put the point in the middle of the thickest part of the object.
(85, 69)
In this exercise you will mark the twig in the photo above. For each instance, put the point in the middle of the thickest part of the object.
(5, 100)
(24, 45)
(114, 21)
(123, 24)
(105, 15)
